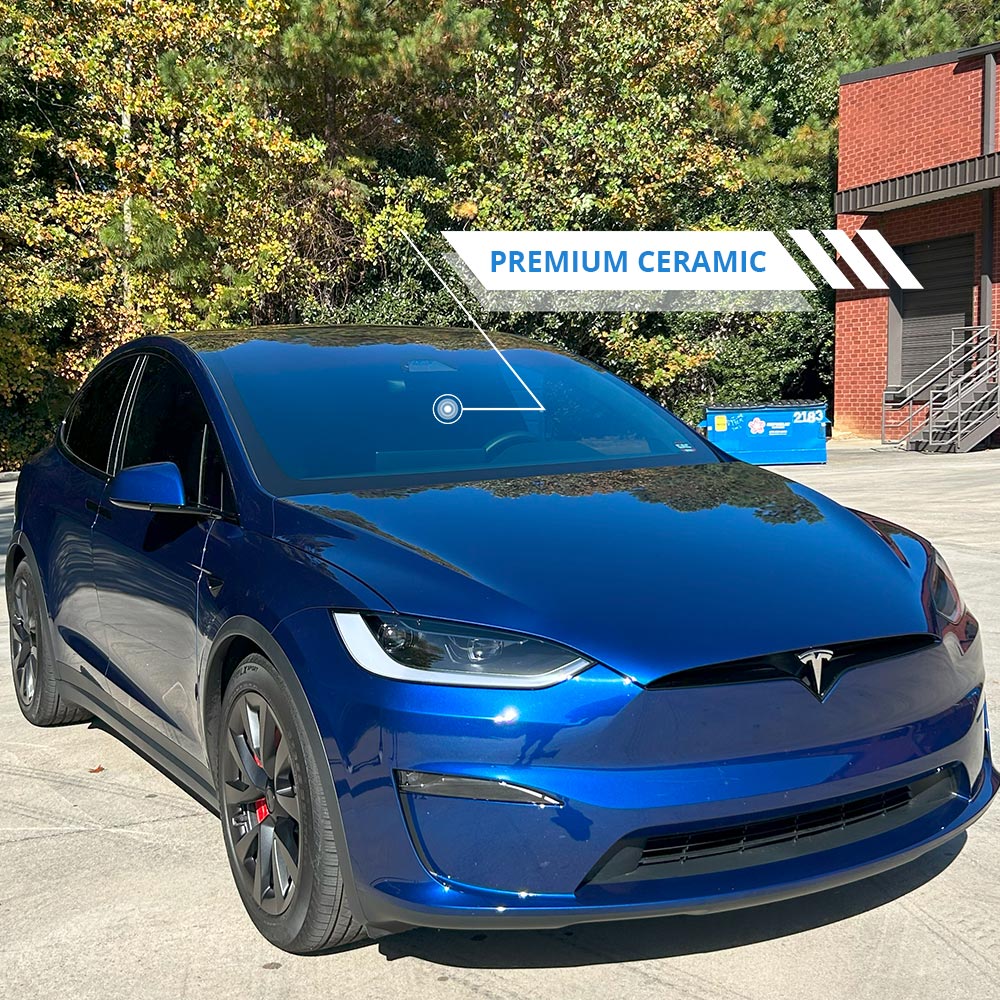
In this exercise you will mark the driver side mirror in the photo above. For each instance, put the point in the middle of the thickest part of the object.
(156, 487)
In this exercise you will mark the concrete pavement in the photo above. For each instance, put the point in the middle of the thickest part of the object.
(114, 883)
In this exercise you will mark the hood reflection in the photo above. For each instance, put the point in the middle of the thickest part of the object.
(686, 488)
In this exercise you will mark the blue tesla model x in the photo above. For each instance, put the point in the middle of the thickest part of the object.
(457, 636)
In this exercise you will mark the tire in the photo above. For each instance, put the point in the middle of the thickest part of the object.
(272, 806)
(35, 680)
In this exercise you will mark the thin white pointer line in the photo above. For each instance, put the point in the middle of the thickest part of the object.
(537, 408)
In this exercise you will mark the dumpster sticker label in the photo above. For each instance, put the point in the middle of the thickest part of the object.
(756, 426)
(721, 423)
(808, 416)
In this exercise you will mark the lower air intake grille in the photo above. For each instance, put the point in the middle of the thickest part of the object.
(680, 848)
(662, 854)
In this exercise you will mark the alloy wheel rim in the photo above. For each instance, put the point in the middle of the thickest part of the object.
(261, 803)
(24, 641)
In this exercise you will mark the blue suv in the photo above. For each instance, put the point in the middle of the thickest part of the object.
(458, 635)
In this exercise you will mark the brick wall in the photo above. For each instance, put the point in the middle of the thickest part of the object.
(897, 124)
(860, 362)
(861, 345)
(890, 126)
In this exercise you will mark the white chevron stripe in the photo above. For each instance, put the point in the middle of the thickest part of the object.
(879, 246)
(819, 259)
(867, 274)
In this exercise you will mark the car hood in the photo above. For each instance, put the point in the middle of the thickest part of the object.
(649, 571)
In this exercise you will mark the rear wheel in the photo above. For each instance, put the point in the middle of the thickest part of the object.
(35, 679)
(275, 817)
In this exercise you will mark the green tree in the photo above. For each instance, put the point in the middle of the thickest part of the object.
(142, 187)
(165, 165)
(580, 116)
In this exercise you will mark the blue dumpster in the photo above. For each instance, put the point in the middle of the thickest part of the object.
(790, 433)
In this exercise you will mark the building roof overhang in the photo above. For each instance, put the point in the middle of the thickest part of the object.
(923, 62)
(950, 180)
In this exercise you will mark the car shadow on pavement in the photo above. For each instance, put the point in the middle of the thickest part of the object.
(666, 937)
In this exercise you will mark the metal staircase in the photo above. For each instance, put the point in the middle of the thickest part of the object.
(955, 404)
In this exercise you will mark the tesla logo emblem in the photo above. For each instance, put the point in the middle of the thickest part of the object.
(816, 660)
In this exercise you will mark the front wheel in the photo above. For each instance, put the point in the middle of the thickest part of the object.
(35, 681)
(275, 817)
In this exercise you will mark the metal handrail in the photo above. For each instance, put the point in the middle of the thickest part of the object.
(981, 347)
(988, 371)
(916, 390)
(977, 374)
(954, 436)
(907, 395)
(982, 417)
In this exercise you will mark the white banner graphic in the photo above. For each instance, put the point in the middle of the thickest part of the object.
(611, 261)
(668, 270)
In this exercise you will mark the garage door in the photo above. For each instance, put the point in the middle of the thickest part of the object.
(946, 270)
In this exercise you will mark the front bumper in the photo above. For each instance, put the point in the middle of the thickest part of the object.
(623, 759)
(394, 905)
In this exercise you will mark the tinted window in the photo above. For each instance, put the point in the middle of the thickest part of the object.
(216, 490)
(90, 422)
(169, 423)
(313, 417)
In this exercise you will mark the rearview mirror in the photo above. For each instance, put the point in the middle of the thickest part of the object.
(156, 487)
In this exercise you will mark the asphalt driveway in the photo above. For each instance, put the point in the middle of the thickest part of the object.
(114, 883)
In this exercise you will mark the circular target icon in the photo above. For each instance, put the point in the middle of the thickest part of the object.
(447, 409)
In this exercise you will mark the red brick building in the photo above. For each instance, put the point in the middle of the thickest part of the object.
(919, 163)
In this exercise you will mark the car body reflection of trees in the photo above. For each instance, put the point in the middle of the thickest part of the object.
(685, 488)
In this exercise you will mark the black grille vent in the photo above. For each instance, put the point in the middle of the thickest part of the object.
(663, 854)
(776, 666)
(679, 848)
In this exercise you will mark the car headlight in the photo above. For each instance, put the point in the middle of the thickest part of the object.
(944, 593)
(438, 652)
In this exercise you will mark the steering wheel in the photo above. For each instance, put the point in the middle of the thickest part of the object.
(504, 441)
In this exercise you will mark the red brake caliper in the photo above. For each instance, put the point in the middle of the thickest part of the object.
(261, 804)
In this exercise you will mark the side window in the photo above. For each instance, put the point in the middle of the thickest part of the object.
(169, 423)
(90, 423)
(216, 489)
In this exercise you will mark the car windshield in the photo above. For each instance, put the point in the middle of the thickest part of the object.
(326, 417)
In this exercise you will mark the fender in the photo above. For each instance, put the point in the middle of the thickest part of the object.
(242, 627)
(20, 540)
